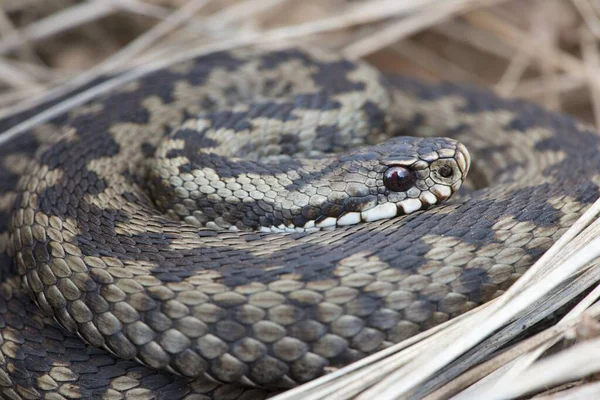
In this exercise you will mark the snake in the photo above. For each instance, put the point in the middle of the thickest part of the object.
(241, 222)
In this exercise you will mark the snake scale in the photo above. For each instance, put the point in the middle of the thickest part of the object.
(234, 223)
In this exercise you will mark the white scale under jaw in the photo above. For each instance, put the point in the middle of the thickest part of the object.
(379, 212)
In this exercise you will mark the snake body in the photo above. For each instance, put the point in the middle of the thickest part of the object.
(209, 222)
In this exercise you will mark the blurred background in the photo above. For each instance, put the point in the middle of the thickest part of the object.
(542, 50)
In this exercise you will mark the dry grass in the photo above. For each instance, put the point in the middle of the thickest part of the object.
(542, 50)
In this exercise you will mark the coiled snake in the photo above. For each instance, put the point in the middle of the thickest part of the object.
(238, 217)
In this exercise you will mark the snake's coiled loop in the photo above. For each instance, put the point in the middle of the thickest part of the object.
(240, 216)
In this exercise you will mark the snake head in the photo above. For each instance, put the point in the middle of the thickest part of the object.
(422, 172)
(399, 177)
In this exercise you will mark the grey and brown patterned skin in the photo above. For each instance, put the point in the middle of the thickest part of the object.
(259, 308)
(205, 188)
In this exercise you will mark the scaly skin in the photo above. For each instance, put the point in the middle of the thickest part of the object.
(250, 307)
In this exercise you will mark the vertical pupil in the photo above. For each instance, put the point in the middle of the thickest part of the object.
(399, 179)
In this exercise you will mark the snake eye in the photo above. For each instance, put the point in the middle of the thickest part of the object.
(399, 179)
(445, 171)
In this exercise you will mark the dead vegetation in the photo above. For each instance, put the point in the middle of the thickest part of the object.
(542, 50)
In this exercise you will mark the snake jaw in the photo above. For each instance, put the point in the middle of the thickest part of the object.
(376, 213)
(458, 161)
(409, 182)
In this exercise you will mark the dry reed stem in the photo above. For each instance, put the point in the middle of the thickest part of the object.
(574, 363)
(513, 74)
(140, 7)
(432, 61)
(74, 16)
(507, 366)
(376, 10)
(585, 392)
(591, 59)
(586, 10)
(8, 29)
(534, 87)
(547, 54)
(143, 42)
(399, 29)
(242, 11)
(479, 39)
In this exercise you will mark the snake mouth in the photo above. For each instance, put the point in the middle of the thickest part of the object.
(379, 212)
(376, 213)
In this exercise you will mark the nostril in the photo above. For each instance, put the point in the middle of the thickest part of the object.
(445, 171)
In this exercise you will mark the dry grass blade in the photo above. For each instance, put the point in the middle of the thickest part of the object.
(592, 64)
(511, 375)
(483, 370)
(367, 13)
(589, 16)
(36, 72)
(8, 98)
(503, 369)
(140, 7)
(146, 40)
(7, 29)
(59, 22)
(490, 355)
(534, 87)
(513, 74)
(432, 62)
(15, 77)
(480, 39)
(379, 9)
(577, 362)
(530, 349)
(396, 30)
(511, 35)
(74, 16)
(585, 392)
(242, 10)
